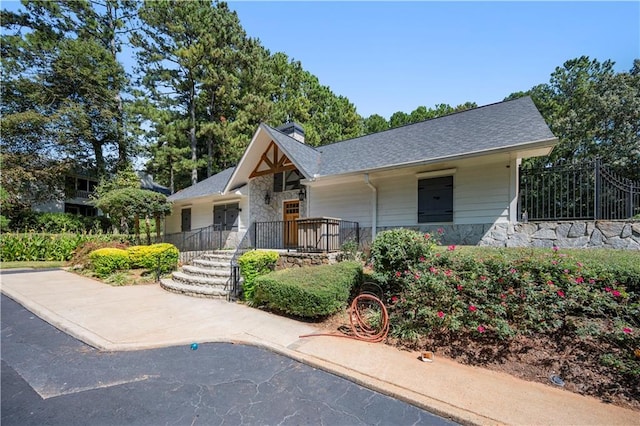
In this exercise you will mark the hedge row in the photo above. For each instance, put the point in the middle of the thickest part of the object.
(308, 292)
(159, 258)
(47, 247)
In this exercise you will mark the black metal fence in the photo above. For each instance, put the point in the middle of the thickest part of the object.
(577, 191)
(306, 235)
(197, 241)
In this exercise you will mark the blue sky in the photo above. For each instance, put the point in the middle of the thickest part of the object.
(395, 56)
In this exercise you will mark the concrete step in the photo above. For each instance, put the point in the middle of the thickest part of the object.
(213, 292)
(206, 272)
(211, 281)
(211, 264)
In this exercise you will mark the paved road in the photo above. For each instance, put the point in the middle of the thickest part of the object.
(50, 378)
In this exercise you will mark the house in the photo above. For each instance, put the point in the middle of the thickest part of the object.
(457, 172)
(78, 189)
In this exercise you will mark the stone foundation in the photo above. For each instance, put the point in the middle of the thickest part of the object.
(298, 260)
(566, 234)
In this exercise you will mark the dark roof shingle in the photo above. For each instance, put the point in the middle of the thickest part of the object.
(212, 185)
(491, 127)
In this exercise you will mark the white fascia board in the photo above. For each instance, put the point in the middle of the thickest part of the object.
(242, 163)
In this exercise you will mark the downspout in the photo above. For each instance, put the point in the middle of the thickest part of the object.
(374, 213)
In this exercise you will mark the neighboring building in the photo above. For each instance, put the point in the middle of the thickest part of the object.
(458, 172)
(78, 189)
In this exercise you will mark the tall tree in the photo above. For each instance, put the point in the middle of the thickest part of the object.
(179, 48)
(594, 111)
(57, 58)
(374, 123)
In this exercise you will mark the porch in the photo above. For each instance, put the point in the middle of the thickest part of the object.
(305, 235)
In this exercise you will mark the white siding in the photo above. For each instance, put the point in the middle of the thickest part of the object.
(172, 221)
(481, 194)
(202, 213)
(347, 201)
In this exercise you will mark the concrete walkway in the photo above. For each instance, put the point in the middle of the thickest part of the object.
(144, 317)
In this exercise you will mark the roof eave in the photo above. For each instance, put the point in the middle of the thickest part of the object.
(551, 142)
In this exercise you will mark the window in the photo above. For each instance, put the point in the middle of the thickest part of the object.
(435, 199)
(286, 181)
(80, 209)
(226, 215)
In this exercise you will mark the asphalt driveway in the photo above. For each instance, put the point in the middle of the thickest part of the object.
(51, 378)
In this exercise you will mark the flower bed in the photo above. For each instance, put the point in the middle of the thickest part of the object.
(546, 311)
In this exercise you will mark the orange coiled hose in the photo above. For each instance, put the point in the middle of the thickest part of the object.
(368, 318)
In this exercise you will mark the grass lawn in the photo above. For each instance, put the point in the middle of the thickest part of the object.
(32, 265)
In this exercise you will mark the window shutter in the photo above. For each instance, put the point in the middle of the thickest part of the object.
(231, 220)
(218, 215)
(435, 199)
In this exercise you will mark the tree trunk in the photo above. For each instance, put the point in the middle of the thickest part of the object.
(97, 152)
(158, 224)
(147, 222)
(192, 135)
(136, 225)
(210, 140)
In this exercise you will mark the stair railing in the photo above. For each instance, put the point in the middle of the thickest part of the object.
(246, 244)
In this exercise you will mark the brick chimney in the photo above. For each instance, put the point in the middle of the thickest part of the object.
(292, 129)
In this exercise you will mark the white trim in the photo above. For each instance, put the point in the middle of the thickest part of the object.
(514, 179)
(374, 206)
(436, 173)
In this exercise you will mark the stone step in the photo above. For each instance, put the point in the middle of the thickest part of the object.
(211, 264)
(219, 255)
(206, 272)
(213, 292)
(199, 280)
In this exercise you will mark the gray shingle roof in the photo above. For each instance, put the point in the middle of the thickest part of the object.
(212, 185)
(305, 157)
(491, 127)
(481, 130)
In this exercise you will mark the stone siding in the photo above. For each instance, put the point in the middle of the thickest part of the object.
(569, 234)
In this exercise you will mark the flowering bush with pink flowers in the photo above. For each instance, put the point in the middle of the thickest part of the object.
(502, 293)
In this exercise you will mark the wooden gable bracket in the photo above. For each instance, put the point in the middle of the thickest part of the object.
(274, 160)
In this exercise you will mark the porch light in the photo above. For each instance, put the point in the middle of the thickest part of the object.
(302, 194)
(267, 197)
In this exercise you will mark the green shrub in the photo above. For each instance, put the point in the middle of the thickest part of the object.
(308, 292)
(4, 223)
(80, 257)
(45, 247)
(398, 250)
(34, 247)
(60, 222)
(253, 264)
(107, 260)
(162, 257)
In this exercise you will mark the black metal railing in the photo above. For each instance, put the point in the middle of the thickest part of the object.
(194, 242)
(582, 191)
(306, 235)
(244, 246)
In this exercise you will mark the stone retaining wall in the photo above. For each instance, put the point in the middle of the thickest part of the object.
(298, 260)
(579, 234)
(569, 234)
